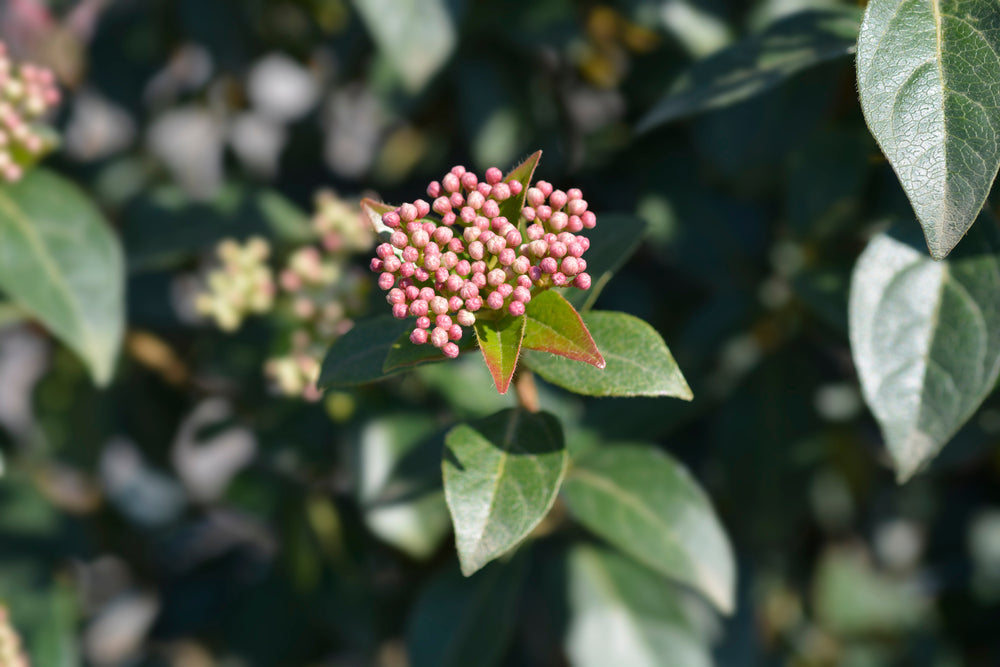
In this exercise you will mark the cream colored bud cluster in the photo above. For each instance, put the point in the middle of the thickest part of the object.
(340, 225)
(243, 285)
(27, 92)
(11, 654)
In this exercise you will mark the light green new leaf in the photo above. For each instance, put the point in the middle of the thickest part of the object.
(522, 173)
(458, 622)
(929, 78)
(501, 476)
(758, 63)
(638, 362)
(925, 337)
(500, 343)
(647, 505)
(624, 614)
(60, 262)
(416, 36)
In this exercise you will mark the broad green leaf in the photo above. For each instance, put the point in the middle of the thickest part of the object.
(399, 482)
(925, 337)
(60, 262)
(417, 37)
(615, 238)
(500, 343)
(648, 506)
(638, 361)
(359, 356)
(405, 354)
(458, 622)
(522, 173)
(554, 326)
(624, 614)
(501, 476)
(929, 79)
(758, 63)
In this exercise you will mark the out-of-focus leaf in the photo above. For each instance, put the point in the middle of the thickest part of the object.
(758, 63)
(501, 476)
(615, 238)
(416, 36)
(55, 640)
(925, 337)
(399, 482)
(358, 357)
(60, 262)
(554, 326)
(623, 614)
(500, 343)
(929, 79)
(459, 621)
(11, 314)
(638, 361)
(522, 173)
(648, 506)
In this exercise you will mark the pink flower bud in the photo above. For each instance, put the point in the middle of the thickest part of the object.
(469, 180)
(538, 248)
(483, 223)
(475, 200)
(455, 332)
(449, 260)
(434, 189)
(433, 262)
(505, 290)
(456, 246)
(391, 219)
(448, 219)
(522, 294)
(534, 197)
(463, 268)
(528, 213)
(473, 304)
(384, 250)
(407, 212)
(513, 238)
(468, 290)
(412, 292)
(442, 205)
(418, 336)
(559, 279)
(386, 280)
(577, 207)
(524, 281)
(515, 187)
(419, 308)
(521, 265)
(548, 265)
(450, 350)
(439, 305)
(479, 266)
(471, 234)
(575, 249)
(399, 239)
(557, 250)
(476, 250)
(575, 224)
(442, 235)
(419, 238)
(493, 175)
(484, 189)
(491, 208)
(582, 281)
(399, 311)
(535, 232)
(465, 318)
(395, 296)
(507, 256)
(457, 200)
(410, 254)
(441, 275)
(467, 214)
(443, 321)
(454, 303)
(500, 192)
(423, 208)
(535, 273)
(584, 241)
(558, 221)
(543, 212)
(478, 279)
(516, 308)
(495, 301)
(495, 245)
(574, 193)
(451, 183)
(557, 199)
(427, 293)
(545, 187)
(569, 266)
(439, 337)
(375, 265)
(454, 283)
(496, 277)
(424, 322)
(589, 219)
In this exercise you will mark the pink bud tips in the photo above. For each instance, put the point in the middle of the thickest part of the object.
(493, 175)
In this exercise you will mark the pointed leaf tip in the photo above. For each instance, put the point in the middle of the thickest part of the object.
(556, 327)
(500, 343)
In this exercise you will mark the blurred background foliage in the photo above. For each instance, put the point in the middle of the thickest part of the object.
(188, 515)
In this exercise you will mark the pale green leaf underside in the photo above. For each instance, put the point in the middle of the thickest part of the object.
(929, 79)
(60, 262)
(925, 337)
(501, 476)
(648, 506)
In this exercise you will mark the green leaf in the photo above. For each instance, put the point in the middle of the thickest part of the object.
(615, 238)
(60, 262)
(511, 209)
(405, 354)
(554, 326)
(929, 78)
(623, 614)
(758, 63)
(458, 622)
(359, 356)
(638, 361)
(925, 337)
(648, 506)
(399, 482)
(417, 37)
(500, 343)
(375, 210)
(501, 476)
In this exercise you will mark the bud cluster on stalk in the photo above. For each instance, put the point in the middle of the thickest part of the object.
(27, 93)
(11, 652)
(470, 262)
(316, 295)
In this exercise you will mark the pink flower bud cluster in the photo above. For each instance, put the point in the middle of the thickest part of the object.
(27, 92)
(470, 262)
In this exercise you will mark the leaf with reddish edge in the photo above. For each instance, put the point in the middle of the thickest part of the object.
(405, 354)
(522, 173)
(375, 210)
(500, 342)
(554, 326)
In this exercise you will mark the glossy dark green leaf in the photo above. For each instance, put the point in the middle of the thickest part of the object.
(929, 78)
(405, 354)
(522, 173)
(359, 356)
(416, 37)
(60, 262)
(500, 343)
(925, 337)
(459, 621)
(622, 613)
(638, 361)
(554, 326)
(615, 238)
(758, 63)
(399, 482)
(648, 506)
(501, 476)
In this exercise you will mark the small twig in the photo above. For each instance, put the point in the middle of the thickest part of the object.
(526, 390)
